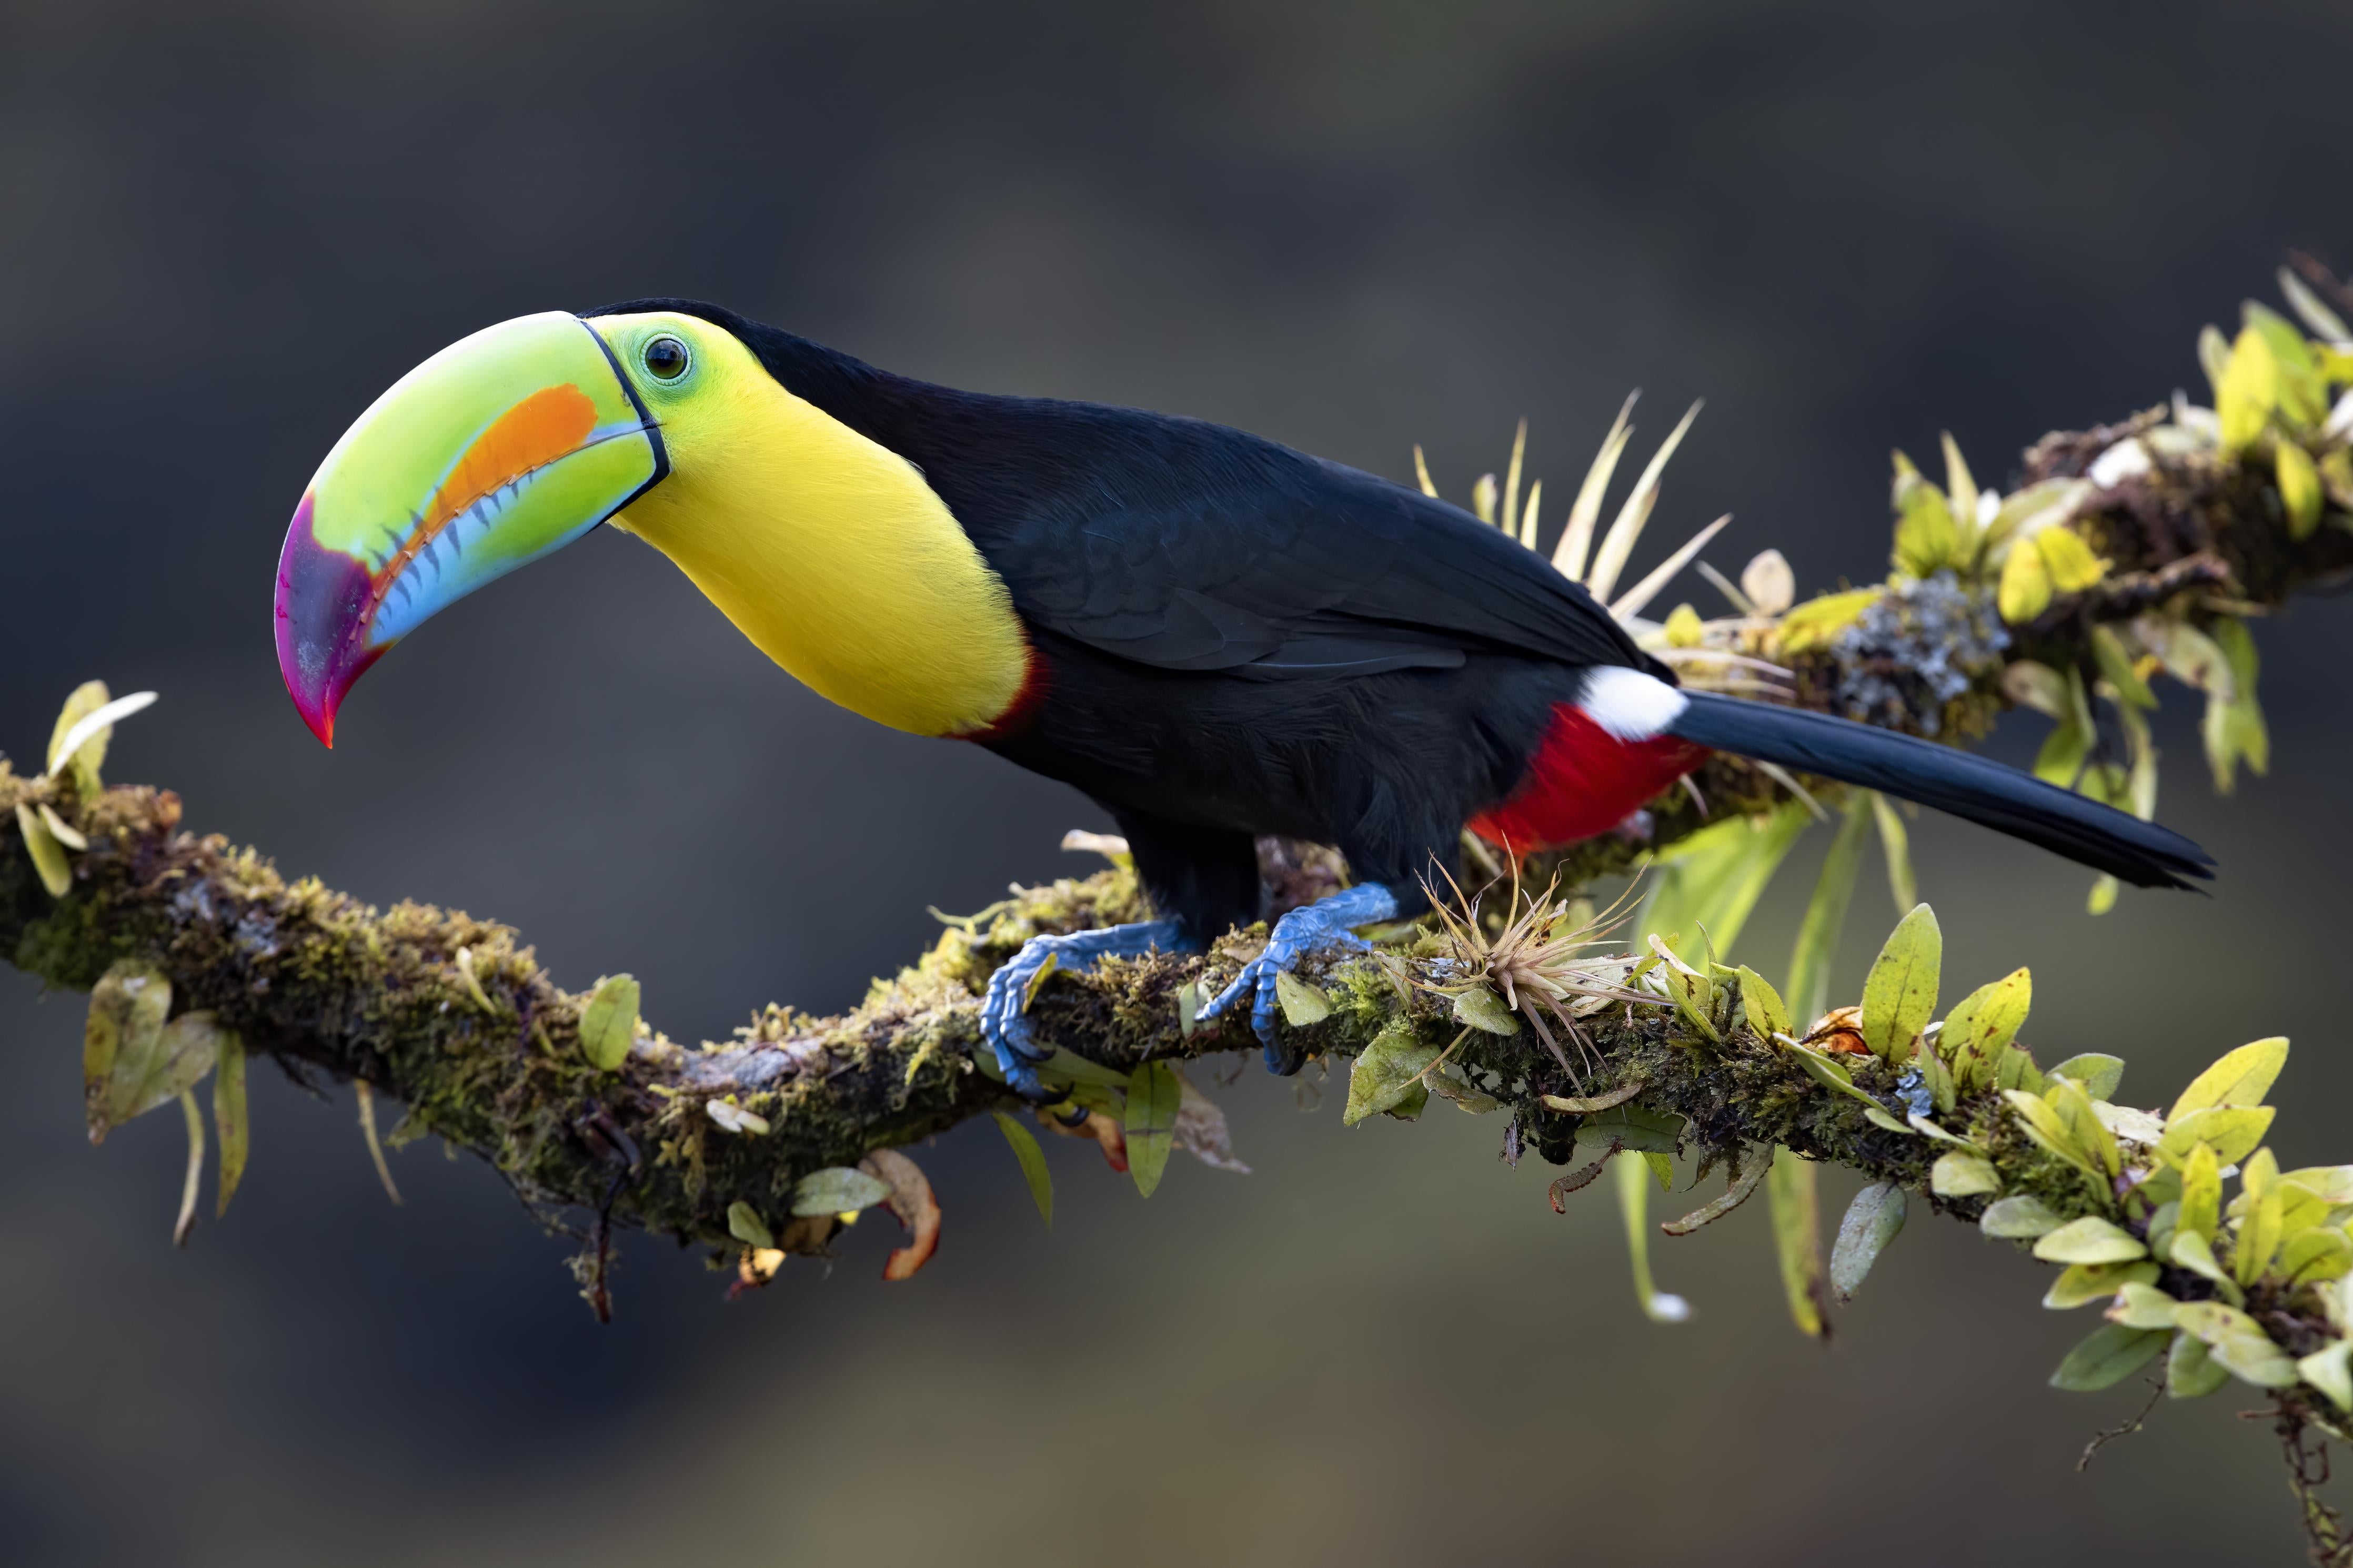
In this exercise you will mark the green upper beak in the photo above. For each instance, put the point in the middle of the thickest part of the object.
(503, 446)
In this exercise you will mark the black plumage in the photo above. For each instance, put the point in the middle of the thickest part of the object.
(1237, 638)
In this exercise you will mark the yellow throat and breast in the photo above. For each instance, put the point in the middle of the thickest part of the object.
(831, 553)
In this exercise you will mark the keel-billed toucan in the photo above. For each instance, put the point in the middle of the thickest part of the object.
(1213, 635)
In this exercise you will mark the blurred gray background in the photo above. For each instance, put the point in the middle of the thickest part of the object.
(1352, 227)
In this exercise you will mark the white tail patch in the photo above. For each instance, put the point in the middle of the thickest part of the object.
(1629, 704)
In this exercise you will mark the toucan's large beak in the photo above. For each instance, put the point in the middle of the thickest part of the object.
(501, 447)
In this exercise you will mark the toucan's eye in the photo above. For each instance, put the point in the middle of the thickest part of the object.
(666, 359)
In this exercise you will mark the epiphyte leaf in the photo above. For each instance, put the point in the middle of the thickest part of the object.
(1032, 1161)
(837, 1189)
(608, 1023)
(1155, 1095)
(1899, 995)
(1873, 1220)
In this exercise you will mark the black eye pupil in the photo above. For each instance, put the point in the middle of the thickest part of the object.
(666, 359)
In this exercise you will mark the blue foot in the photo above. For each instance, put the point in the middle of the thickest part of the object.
(1004, 1023)
(1326, 923)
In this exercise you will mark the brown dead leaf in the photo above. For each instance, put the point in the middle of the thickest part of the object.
(1201, 1129)
(1104, 1130)
(910, 1200)
(1840, 1029)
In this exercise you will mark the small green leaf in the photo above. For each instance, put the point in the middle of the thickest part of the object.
(2090, 1240)
(2024, 591)
(2081, 1284)
(1796, 1239)
(2190, 1250)
(608, 1023)
(2099, 1073)
(229, 1116)
(88, 752)
(2141, 1304)
(2191, 1370)
(2241, 1078)
(743, 1223)
(1830, 1075)
(2081, 1120)
(1899, 995)
(1818, 934)
(2298, 478)
(2233, 727)
(2320, 1252)
(1634, 1207)
(1768, 1014)
(1943, 1093)
(2232, 1132)
(1155, 1095)
(1873, 1220)
(2014, 1068)
(1386, 1071)
(48, 855)
(837, 1189)
(2046, 1127)
(1981, 1026)
(2202, 1193)
(1633, 1129)
(2259, 1238)
(2254, 1358)
(2069, 560)
(1188, 1007)
(1302, 1002)
(1484, 1010)
(194, 1122)
(2326, 1370)
(1961, 1174)
(127, 1068)
(2248, 391)
(1032, 1159)
(1927, 539)
(2111, 1353)
(2018, 1218)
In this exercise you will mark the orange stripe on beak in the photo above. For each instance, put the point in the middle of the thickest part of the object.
(534, 433)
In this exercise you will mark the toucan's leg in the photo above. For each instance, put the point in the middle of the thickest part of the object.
(1326, 923)
(1003, 1020)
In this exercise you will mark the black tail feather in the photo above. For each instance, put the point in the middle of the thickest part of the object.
(1950, 780)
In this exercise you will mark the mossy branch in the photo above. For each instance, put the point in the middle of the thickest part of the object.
(2107, 570)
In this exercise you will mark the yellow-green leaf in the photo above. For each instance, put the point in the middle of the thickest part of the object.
(2111, 1353)
(1032, 1161)
(2248, 392)
(2090, 1240)
(229, 1116)
(745, 1224)
(2141, 1305)
(1896, 844)
(1817, 623)
(2299, 488)
(1484, 1010)
(1981, 1026)
(1899, 995)
(2080, 1284)
(1961, 1174)
(2303, 398)
(2069, 561)
(127, 1067)
(1633, 1129)
(2259, 1238)
(1926, 540)
(1768, 1014)
(1796, 1239)
(2046, 1127)
(2084, 1127)
(89, 754)
(1302, 1002)
(1155, 1095)
(2241, 1078)
(2191, 1370)
(2233, 1131)
(1385, 1071)
(837, 1189)
(2099, 1073)
(1873, 1220)
(2319, 1253)
(2202, 1193)
(2025, 591)
(2020, 1218)
(47, 854)
(608, 1023)
(2326, 1370)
